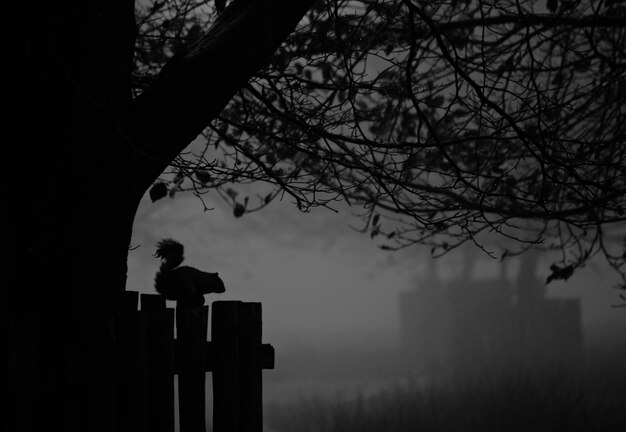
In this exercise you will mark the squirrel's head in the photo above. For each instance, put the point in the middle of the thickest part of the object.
(218, 284)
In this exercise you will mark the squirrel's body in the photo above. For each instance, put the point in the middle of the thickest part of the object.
(186, 285)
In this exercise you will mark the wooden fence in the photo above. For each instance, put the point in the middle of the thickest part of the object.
(147, 346)
(235, 356)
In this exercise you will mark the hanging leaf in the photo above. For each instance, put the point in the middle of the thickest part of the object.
(232, 193)
(270, 158)
(436, 101)
(560, 273)
(158, 191)
(552, 5)
(239, 210)
(203, 176)
(583, 65)
(375, 231)
(327, 70)
(173, 192)
(178, 180)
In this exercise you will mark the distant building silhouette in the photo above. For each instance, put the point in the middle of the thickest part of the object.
(496, 324)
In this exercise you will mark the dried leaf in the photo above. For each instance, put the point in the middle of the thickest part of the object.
(203, 176)
(232, 193)
(239, 210)
(552, 5)
(560, 273)
(158, 191)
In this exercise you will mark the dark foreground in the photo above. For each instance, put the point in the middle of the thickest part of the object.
(511, 402)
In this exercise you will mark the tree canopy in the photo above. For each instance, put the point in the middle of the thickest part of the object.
(494, 122)
(443, 122)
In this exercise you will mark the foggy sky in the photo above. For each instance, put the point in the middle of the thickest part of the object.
(320, 281)
(316, 277)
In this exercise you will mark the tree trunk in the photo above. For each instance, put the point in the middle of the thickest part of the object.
(71, 209)
(81, 154)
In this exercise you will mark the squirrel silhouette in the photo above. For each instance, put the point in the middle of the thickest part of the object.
(186, 285)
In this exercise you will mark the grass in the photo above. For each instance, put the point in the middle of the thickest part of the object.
(514, 402)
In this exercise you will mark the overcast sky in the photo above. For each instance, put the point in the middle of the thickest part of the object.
(314, 274)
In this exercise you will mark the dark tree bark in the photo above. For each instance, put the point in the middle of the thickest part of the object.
(81, 154)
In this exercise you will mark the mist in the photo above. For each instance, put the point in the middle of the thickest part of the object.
(349, 319)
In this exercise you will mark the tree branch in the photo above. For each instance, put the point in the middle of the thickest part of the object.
(536, 20)
(192, 90)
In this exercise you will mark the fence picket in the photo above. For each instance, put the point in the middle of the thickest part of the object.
(160, 344)
(225, 347)
(250, 367)
(133, 366)
(22, 366)
(239, 358)
(191, 331)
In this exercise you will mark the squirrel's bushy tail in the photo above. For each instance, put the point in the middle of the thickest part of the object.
(171, 253)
